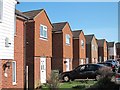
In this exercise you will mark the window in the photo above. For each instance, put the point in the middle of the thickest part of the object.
(1, 11)
(67, 39)
(15, 26)
(105, 49)
(43, 31)
(14, 72)
(82, 43)
(93, 46)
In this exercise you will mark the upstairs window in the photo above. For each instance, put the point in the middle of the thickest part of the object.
(93, 46)
(67, 39)
(1, 10)
(105, 49)
(43, 31)
(82, 43)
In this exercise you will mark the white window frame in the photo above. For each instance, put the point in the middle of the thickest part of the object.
(15, 31)
(93, 46)
(1, 10)
(82, 43)
(14, 73)
(67, 39)
(44, 30)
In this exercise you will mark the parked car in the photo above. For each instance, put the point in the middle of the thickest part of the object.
(109, 64)
(117, 76)
(114, 62)
(83, 72)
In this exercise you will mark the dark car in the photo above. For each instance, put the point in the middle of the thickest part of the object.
(82, 72)
(114, 62)
(109, 64)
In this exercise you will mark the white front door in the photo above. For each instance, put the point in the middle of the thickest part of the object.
(67, 64)
(82, 61)
(43, 70)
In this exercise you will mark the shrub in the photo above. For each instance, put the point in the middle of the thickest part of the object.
(105, 72)
(53, 83)
(104, 84)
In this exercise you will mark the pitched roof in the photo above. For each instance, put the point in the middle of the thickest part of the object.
(18, 13)
(76, 33)
(100, 42)
(118, 45)
(33, 13)
(58, 26)
(89, 38)
(110, 44)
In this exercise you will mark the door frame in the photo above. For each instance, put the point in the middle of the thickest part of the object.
(45, 76)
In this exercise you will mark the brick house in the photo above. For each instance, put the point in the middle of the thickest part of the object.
(19, 49)
(118, 50)
(111, 50)
(102, 50)
(7, 27)
(62, 47)
(79, 48)
(39, 47)
(91, 49)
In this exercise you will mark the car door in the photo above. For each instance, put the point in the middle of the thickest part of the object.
(80, 72)
(90, 71)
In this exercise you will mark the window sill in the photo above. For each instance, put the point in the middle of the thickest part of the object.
(67, 44)
(14, 83)
(45, 39)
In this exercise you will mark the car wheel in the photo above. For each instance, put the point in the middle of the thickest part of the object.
(97, 77)
(66, 78)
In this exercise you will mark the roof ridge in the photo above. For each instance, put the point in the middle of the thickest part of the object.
(33, 10)
(59, 22)
(76, 30)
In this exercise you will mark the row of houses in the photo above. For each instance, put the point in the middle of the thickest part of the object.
(31, 47)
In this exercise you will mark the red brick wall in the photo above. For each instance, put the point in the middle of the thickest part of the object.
(75, 52)
(36, 48)
(30, 52)
(57, 51)
(94, 56)
(88, 52)
(67, 49)
(61, 51)
(105, 49)
(7, 81)
(78, 51)
(19, 52)
(101, 53)
(82, 53)
(18, 57)
(43, 47)
(48, 68)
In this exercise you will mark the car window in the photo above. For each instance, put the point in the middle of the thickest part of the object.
(80, 68)
(91, 68)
